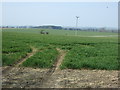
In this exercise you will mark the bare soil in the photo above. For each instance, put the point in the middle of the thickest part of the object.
(83, 79)
(20, 77)
(32, 78)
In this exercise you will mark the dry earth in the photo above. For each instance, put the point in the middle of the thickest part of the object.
(29, 77)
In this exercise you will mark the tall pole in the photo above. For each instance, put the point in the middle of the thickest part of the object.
(76, 24)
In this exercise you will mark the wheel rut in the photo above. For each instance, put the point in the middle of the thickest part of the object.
(42, 80)
(34, 50)
(54, 69)
(19, 62)
(60, 59)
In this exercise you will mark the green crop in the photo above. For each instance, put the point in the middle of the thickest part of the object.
(42, 59)
(82, 52)
(102, 56)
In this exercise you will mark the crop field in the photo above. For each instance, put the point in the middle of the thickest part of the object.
(44, 59)
(13, 51)
(82, 52)
(60, 45)
(59, 59)
(91, 57)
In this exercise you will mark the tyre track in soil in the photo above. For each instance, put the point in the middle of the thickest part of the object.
(16, 64)
(55, 68)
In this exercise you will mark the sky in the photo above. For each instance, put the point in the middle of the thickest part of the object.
(92, 14)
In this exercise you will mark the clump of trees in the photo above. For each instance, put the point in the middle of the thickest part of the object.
(49, 27)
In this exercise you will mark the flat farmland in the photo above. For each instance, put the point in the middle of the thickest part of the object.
(58, 52)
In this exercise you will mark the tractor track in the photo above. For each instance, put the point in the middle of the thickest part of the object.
(22, 77)
(42, 80)
(54, 68)
(17, 63)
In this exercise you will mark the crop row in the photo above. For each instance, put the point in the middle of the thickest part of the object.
(12, 51)
(42, 59)
(83, 52)
(87, 57)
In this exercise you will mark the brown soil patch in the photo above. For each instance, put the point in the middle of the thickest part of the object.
(20, 77)
(83, 79)
(31, 78)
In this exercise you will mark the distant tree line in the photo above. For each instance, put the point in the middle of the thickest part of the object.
(48, 27)
(64, 28)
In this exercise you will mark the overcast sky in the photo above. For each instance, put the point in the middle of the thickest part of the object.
(92, 14)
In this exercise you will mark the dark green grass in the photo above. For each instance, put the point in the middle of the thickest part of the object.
(60, 32)
(13, 50)
(87, 57)
(83, 52)
(42, 59)
(10, 59)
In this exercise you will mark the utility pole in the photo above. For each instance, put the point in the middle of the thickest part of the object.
(77, 17)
